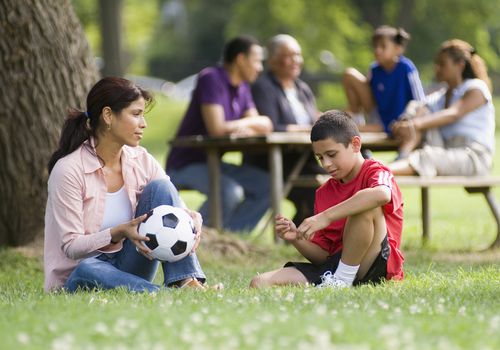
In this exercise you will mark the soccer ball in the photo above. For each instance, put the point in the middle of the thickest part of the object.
(171, 233)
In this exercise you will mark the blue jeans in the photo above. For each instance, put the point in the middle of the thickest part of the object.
(245, 192)
(128, 268)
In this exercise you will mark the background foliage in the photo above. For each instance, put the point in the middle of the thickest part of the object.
(172, 39)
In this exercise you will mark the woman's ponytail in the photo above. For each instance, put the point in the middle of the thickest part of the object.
(75, 132)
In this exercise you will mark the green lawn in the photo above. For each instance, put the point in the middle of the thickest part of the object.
(449, 300)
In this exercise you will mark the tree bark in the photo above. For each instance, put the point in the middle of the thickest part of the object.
(46, 67)
(111, 29)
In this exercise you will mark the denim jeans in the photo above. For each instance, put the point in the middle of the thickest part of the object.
(245, 192)
(127, 268)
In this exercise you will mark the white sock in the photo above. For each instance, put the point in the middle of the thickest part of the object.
(346, 273)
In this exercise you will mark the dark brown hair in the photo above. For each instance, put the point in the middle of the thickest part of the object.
(397, 35)
(240, 44)
(459, 50)
(79, 126)
(336, 125)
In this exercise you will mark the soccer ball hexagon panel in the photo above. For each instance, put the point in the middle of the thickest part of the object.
(171, 233)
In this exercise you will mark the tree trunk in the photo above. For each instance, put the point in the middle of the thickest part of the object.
(46, 67)
(111, 29)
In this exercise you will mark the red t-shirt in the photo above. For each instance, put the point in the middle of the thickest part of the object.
(372, 174)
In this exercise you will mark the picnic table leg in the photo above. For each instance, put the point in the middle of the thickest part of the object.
(494, 210)
(276, 174)
(214, 195)
(426, 235)
(493, 207)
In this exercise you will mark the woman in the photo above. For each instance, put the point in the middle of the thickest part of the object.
(98, 177)
(459, 124)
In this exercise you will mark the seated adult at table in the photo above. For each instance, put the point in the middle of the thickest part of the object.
(459, 124)
(290, 103)
(221, 104)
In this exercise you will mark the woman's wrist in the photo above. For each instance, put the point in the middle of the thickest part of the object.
(116, 235)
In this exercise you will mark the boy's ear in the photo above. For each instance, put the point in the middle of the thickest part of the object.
(356, 143)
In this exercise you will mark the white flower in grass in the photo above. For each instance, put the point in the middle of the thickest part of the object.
(440, 309)
(101, 328)
(64, 342)
(388, 330)
(321, 309)
(290, 297)
(414, 309)
(187, 335)
(337, 328)
(383, 305)
(213, 321)
(52, 327)
(267, 318)
(23, 338)
(196, 318)
(283, 317)
(462, 310)
(494, 324)
(446, 344)
(168, 322)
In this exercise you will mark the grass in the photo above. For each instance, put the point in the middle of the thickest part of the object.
(449, 299)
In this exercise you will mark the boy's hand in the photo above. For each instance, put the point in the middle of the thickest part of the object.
(286, 229)
(310, 225)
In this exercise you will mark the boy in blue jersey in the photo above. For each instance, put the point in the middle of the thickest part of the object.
(392, 83)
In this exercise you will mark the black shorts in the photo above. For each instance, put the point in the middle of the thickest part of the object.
(376, 273)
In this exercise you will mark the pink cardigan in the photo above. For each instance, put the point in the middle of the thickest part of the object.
(75, 207)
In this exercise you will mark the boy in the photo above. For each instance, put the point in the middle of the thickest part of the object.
(354, 237)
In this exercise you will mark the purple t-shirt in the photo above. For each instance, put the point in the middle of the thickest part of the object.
(213, 87)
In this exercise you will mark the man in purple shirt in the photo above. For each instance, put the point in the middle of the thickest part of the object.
(221, 104)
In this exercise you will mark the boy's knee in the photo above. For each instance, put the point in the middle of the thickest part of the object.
(258, 282)
(369, 215)
(350, 73)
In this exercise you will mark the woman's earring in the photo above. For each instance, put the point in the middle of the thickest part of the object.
(109, 127)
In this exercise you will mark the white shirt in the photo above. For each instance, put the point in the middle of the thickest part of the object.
(477, 125)
(117, 209)
(300, 113)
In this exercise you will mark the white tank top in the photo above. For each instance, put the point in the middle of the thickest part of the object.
(117, 209)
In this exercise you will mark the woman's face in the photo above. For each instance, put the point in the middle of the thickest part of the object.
(446, 69)
(127, 126)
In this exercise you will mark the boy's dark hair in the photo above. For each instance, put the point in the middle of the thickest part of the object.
(240, 44)
(334, 124)
(398, 35)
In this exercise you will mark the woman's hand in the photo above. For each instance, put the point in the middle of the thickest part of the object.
(312, 224)
(129, 230)
(403, 130)
(198, 222)
(286, 229)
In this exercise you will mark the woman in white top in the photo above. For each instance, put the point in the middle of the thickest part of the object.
(458, 121)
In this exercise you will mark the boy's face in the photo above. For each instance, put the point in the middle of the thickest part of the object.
(339, 161)
(386, 51)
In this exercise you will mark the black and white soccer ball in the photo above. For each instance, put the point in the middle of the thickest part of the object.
(171, 233)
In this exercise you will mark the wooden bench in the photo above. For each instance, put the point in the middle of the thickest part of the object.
(472, 184)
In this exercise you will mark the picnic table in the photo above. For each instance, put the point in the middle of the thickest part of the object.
(274, 144)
